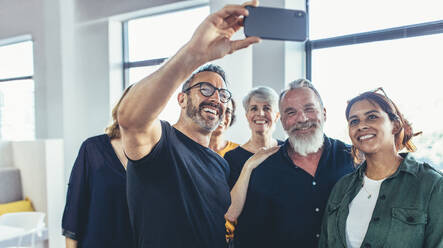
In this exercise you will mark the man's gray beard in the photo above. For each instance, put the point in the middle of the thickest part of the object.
(307, 144)
(194, 113)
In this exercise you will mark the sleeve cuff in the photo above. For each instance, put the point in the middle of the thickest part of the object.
(69, 234)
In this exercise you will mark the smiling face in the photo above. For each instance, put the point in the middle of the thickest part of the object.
(370, 128)
(207, 112)
(301, 113)
(303, 119)
(261, 116)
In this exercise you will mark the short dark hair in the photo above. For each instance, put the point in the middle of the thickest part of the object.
(208, 67)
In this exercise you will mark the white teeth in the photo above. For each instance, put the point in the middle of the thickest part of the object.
(210, 111)
(260, 122)
(366, 137)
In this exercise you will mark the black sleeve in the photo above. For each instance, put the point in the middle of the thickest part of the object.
(77, 200)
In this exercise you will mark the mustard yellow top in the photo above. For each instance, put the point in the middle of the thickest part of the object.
(230, 146)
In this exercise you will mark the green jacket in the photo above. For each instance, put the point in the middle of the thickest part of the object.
(408, 212)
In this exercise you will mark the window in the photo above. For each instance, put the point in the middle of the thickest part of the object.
(150, 40)
(343, 17)
(404, 60)
(17, 118)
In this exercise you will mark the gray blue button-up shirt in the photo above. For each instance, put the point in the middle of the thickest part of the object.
(408, 212)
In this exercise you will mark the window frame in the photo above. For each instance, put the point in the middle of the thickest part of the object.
(127, 65)
(401, 32)
(13, 41)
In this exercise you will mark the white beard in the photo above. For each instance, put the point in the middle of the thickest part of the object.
(309, 144)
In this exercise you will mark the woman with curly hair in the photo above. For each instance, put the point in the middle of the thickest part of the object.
(391, 200)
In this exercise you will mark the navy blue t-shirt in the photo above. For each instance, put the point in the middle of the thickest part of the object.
(96, 211)
(178, 194)
(236, 159)
(284, 204)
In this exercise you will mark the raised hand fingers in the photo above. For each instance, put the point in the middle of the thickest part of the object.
(260, 156)
(271, 150)
(240, 44)
(232, 10)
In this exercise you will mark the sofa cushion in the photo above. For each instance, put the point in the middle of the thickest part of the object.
(10, 185)
(17, 206)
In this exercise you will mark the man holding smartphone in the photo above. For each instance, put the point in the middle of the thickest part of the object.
(177, 187)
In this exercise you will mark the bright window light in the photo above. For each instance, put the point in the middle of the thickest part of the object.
(16, 60)
(342, 17)
(17, 110)
(409, 70)
(160, 36)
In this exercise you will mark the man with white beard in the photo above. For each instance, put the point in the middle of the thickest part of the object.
(287, 193)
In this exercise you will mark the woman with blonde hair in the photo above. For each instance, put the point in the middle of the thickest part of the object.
(391, 200)
(96, 211)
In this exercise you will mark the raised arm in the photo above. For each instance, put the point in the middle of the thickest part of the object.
(139, 110)
(240, 189)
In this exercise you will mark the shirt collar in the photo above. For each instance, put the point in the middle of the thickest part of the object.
(409, 165)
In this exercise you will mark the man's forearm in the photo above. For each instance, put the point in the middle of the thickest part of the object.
(147, 99)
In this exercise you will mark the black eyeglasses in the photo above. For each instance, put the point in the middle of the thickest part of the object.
(208, 90)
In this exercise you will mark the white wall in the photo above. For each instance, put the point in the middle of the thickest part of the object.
(5, 154)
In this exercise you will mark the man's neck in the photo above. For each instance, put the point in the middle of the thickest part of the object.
(194, 132)
(308, 163)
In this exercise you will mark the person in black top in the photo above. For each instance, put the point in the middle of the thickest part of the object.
(261, 107)
(96, 212)
(280, 203)
(177, 187)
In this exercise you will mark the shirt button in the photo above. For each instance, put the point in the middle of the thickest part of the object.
(314, 183)
(367, 245)
(317, 235)
(317, 209)
(382, 197)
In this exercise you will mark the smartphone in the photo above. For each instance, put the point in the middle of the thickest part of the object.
(275, 23)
